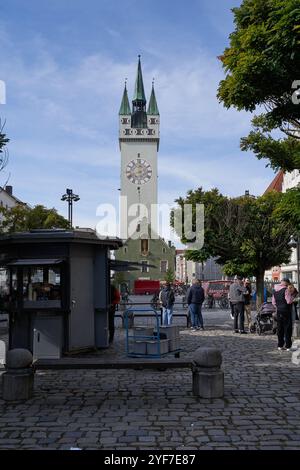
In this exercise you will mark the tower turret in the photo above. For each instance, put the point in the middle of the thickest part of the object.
(139, 115)
(152, 107)
(125, 106)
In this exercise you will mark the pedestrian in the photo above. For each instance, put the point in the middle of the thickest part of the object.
(167, 299)
(185, 304)
(114, 301)
(283, 297)
(195, 300)
(237, 292)
(247, 297)
(231, 307)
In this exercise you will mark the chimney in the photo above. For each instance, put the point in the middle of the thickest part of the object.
(247, 193)
(170, 244)
(9, 190)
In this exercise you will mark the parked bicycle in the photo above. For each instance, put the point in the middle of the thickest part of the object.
(223, 303)
(155, 303)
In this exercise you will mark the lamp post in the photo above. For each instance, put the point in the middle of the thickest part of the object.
(70, 197)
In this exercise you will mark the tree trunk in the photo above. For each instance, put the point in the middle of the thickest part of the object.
(260, 288)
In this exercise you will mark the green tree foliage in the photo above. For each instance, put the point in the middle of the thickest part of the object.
(22, 218)
(245, 234)
(169, 276)
(288, 210)
(261, 64)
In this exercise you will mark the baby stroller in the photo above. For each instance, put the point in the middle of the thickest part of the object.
(265, 319)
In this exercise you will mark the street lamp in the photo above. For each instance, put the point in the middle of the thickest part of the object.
(70, 197)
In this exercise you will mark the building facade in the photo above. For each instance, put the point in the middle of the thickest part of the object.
(8, 199)
(282, 183)
(291, 180)
(187, 270)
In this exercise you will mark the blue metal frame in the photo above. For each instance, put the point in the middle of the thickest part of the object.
(157, 338)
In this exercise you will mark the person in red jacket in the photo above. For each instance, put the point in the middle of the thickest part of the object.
(114, 301)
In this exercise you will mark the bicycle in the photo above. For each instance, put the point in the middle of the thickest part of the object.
(155, 303)
(223, 303)
(209, 302)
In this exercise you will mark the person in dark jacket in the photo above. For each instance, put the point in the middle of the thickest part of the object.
(195, 300)
(284, 295)
(247, 297)
(167, 298)
(114, 301)
(237, 293)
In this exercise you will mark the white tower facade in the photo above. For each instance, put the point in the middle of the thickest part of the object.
(139, 143)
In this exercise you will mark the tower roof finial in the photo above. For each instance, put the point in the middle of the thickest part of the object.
(139, 93)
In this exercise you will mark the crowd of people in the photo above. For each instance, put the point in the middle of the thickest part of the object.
(240, 297)
(283, 300)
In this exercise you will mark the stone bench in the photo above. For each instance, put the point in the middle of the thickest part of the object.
(208, 378)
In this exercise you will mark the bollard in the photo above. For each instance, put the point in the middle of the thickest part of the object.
(296, 329)
(208, 378)
(296, 352)
(19, 375)
(2, 352)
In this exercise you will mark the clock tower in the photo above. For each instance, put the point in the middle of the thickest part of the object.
(149, 256)
(139, 143)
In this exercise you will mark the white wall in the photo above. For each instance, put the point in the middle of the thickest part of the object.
(291, 180)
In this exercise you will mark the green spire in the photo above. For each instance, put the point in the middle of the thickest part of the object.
(125, 106)
(152, 108)
(139, 93)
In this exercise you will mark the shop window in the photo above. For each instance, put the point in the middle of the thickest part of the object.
(145, 267)
(42, 285)
(144, 247)
(163, 266)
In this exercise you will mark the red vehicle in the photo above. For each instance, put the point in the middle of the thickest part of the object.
(217, 289)
(146, 287)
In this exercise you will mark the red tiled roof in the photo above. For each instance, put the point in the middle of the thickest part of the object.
(276, 184)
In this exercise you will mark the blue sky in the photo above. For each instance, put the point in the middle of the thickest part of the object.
(64, 63)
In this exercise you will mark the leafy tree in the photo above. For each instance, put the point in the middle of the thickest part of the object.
(243, 233)
(199, 256)
(169, 276)
(262, 65)
(288, 210)
(22, 218)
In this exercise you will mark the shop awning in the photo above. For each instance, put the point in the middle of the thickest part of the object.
(34, 262)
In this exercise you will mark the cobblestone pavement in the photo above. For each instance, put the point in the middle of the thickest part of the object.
(132, 409)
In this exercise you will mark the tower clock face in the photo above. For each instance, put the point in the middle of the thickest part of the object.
(139, 171)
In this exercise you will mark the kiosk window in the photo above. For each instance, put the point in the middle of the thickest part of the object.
(41, 283)
(7, 283)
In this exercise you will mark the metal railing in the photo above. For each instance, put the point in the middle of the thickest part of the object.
(119, 314)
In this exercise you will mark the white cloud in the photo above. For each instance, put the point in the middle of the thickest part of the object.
(63, 119)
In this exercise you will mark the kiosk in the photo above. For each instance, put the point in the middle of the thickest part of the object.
(55, 286)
